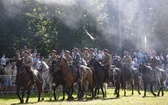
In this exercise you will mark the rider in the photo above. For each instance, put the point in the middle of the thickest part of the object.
(86, 55)
(127, 61)
(68, 57)
(92, 54)
(154, 63)
(76, 62)
(106, 62)
(28, 61)
(52, 58)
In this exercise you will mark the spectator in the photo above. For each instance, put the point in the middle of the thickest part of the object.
(7, 78)
(36, 59)
(99, 56)
(3, 60)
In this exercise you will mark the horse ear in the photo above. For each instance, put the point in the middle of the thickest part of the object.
(94, 57)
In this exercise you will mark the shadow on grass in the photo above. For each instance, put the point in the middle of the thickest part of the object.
(24, 103)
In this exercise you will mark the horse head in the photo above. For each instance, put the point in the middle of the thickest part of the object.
(40, 65)
(143, 68)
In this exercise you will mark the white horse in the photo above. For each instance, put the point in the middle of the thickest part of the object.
(46, 76)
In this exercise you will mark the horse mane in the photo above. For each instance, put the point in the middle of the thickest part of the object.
(65, 60)
(44, 63)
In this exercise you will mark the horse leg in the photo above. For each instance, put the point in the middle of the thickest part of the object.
(50, 90)
(23, 93)
(54, 92)
(63, 92)
(124, 87)
(28, 94)
(80, 91)
(39, 88)
(160, 89)
(102, 91)
(151, 88)
(17, 93)
(118, 89)
(44, 85)
(132, 86)
(145, 89)
(138, 85)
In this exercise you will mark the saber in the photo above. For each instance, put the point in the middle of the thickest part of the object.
(90, 36)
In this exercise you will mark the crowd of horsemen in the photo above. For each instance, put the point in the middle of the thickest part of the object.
(77, 58)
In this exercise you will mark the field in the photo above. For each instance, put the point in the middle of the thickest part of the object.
(109, 100)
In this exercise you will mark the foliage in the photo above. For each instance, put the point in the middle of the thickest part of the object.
(116, 25)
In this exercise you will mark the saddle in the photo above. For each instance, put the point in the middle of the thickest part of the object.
(74, 70)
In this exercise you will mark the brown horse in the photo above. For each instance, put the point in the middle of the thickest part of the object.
(70, 78)
(23, 80)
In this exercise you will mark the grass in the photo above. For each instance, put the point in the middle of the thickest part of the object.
(109, 100)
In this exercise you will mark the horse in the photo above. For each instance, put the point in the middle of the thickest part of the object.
(127, 76)
(99, 75)
(57, 79)
(70, 78)
(23, 80)
(149, 78)
(115, 75)
(46, 77)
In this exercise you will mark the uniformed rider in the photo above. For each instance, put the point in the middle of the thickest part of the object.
(154, 63)
(106, 62)
(28, 61)
(76, 63)
(53, 57)
(127, 61)
(68, 57)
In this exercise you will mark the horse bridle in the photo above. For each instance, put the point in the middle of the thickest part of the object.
(42, 67)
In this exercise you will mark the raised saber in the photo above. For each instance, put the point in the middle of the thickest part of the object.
(90, 36)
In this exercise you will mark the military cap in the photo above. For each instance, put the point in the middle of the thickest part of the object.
(66, 51)
(75, 49)
(54, 51)
(91, 49)
(106, 50)
(85, 48)
(26, 51)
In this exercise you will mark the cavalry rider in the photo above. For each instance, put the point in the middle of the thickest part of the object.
(127, 61)
(68, 57)
(52, 58)
(86, 55)
(154, 63)
(106, 62)
(92, 54)
(28, 61)
(76, 62)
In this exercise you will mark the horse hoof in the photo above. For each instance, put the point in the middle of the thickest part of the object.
(22, 101)
(155, 95)
(42, 99)
(117, 96)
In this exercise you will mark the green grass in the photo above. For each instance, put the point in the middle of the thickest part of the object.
(109, 100)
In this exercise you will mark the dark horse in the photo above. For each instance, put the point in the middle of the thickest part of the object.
(57, 79)
(148, 78)
(23, 80)
(70, 78)
(115, 75)
(131, 76)
(99, 75)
